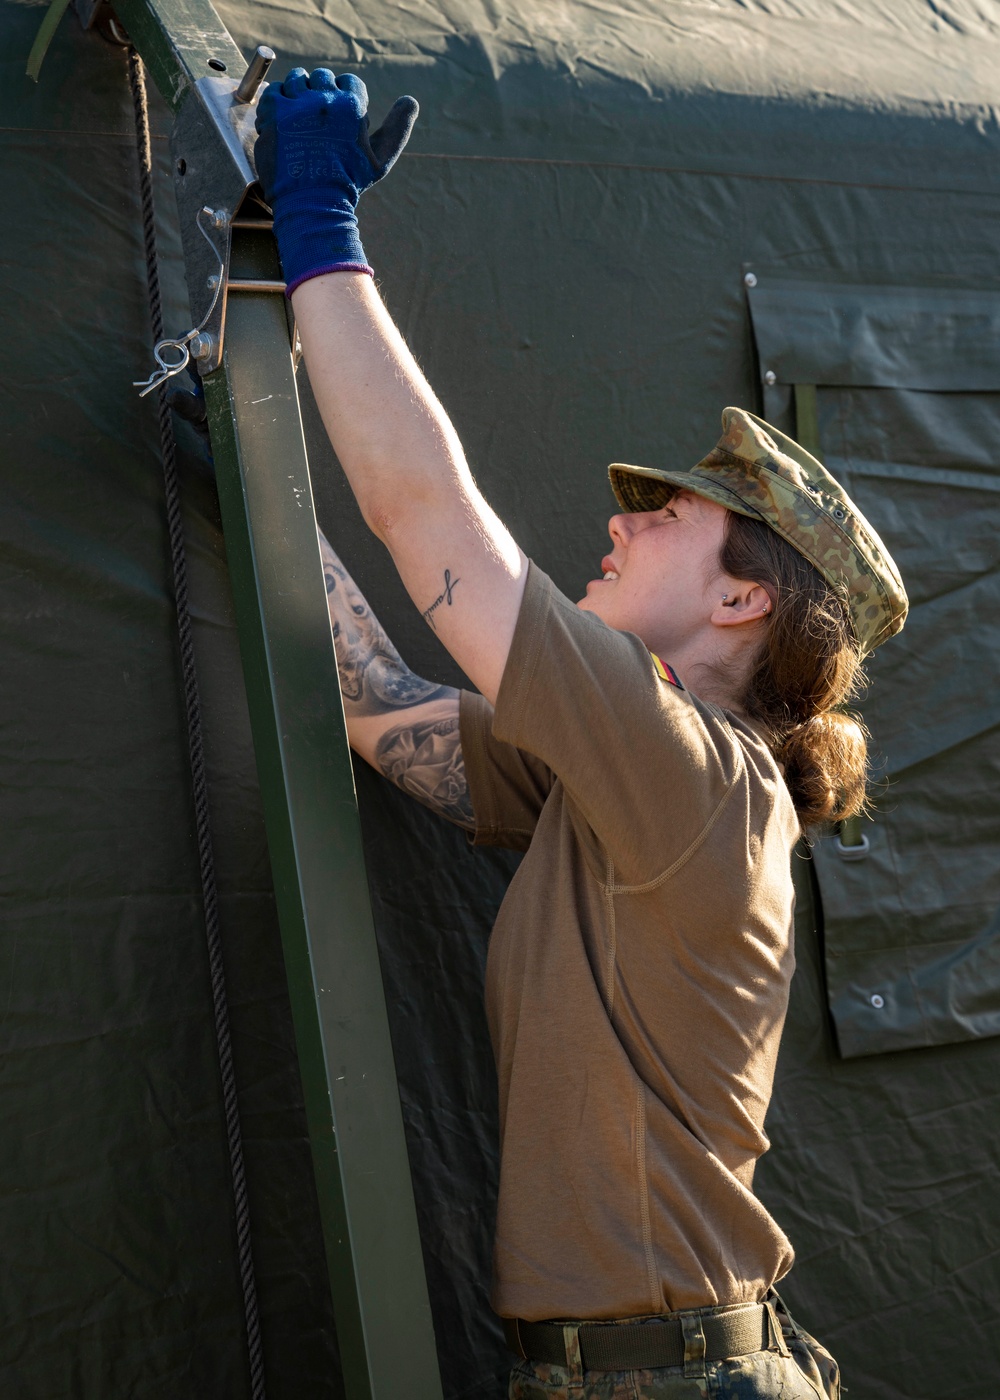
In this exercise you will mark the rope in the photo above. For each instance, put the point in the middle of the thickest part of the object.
(192, 706)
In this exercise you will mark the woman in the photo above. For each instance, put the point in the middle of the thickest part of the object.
(655, 750)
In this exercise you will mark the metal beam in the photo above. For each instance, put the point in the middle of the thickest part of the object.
(180, 41)
(331, 957)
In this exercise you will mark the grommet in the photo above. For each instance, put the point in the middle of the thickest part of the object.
(750, 279)
(877, 1001)
(770, 378)
(839, 513)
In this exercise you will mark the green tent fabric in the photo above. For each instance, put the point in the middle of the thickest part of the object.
(116, 1218)
(565, 246)
(909, 421)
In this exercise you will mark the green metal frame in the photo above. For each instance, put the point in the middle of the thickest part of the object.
(176, 39)
(377, 1280)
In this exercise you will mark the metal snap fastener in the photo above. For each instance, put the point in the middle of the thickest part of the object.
(877, 1001)
(750, 279)
(770, 378)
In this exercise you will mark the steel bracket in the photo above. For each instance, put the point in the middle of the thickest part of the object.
(212, 151)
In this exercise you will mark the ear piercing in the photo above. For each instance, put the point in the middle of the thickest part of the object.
(767, 606)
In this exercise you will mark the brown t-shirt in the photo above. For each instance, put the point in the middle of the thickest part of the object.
(637, 977)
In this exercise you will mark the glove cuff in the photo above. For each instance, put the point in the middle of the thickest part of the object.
(314, 240)
(321, 271)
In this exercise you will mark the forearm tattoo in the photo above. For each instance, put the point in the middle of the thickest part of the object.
(425, 759)
(374, 678)
(423, 755)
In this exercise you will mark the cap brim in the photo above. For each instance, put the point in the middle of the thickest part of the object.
(650, 488)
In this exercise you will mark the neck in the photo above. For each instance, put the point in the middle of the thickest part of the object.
(708, 671)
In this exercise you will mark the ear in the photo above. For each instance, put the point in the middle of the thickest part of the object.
(742, 604)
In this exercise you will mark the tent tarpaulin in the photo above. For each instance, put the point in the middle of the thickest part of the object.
(909, 420)
(565, 247)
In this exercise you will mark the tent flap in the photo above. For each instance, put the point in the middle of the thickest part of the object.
(934, 338)
(912, 923)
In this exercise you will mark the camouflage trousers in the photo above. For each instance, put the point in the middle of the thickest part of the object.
(797, 1368)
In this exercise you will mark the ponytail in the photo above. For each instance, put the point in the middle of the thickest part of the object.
(807, 669)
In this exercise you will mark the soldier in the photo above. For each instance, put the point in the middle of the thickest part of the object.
(655, 750)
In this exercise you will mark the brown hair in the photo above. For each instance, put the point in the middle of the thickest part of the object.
(806, 670)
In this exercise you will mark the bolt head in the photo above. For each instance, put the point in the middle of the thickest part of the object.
(770, 378)
(750, 279)
(202, 346)
(212, 282)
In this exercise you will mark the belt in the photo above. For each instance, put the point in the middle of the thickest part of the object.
(627, 1346)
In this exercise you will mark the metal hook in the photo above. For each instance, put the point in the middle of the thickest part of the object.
(166, 369)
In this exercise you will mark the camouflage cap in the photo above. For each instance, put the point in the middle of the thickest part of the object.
(758, 471)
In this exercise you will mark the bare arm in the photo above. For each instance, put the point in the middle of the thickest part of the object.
(405, 727)
(405, 464)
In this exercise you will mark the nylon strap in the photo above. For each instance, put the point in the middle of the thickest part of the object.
(807, 419)
(850, 832)
(626, 1346)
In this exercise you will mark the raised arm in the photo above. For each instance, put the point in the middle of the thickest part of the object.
(402, 456)
(406, 466)
(405, 727)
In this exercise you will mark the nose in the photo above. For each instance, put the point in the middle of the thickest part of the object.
(621, 528)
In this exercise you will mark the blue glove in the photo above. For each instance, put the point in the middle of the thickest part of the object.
(315, 159)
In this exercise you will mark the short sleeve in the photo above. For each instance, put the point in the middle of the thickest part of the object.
(646, 766)
(508, 788)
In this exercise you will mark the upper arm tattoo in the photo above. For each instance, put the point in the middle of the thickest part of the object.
(424, 758)
(450, 584)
